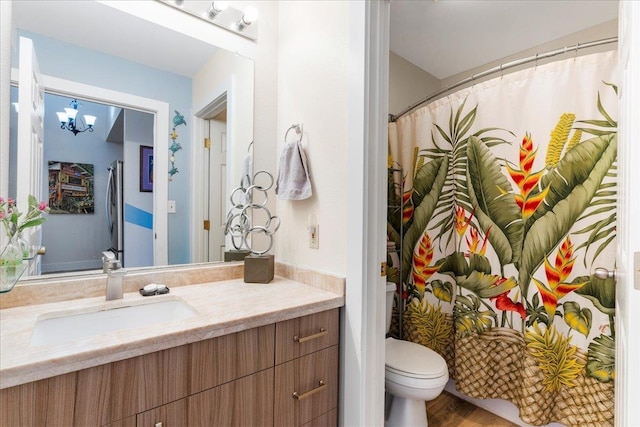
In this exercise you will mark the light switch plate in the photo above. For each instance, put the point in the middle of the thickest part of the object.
(171, 206)
(313, 236)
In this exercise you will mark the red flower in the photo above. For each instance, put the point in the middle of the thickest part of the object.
(526, 179)
(475, 241)
(504, 303)
(461, 222)
(556, 275)
(422, 256)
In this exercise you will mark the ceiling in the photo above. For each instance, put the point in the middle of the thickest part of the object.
(448, 37)
(96, 26)
(443, 37)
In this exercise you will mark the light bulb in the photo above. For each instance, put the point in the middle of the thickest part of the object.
(217, 7)
(250, 16)
(220, 5)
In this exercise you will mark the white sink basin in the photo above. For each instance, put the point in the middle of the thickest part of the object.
(56, 328)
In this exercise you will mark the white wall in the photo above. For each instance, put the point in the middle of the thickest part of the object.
(223, 71)
(598, 32)
(408, 83)
(312, 89)
(233, 74)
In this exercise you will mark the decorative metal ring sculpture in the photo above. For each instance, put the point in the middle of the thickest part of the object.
(239, 219)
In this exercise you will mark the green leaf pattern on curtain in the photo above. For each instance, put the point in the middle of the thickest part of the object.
(563, 327)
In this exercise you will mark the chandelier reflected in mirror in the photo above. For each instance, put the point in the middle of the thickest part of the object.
(69, 119)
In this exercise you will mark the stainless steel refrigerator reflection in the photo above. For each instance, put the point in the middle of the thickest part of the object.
(115, 209)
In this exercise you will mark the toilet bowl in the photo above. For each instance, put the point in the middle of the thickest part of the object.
(413, 374)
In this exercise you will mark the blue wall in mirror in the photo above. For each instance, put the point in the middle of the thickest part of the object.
(74, 63)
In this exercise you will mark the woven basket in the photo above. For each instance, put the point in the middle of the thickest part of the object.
(535, 403)
(414, 331)
(588, 403)
(489, 365)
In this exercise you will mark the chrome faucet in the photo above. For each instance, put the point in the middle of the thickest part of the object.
(115, 273)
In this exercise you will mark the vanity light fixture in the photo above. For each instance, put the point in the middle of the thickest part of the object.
(217, 7)
(250, 15)
(221, 14)
(69, 121)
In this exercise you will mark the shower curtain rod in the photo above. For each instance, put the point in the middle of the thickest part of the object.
(501, 68)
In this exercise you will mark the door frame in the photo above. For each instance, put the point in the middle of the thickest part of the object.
(160, 110)
(627, 384)
(363, 325)
(221, 95)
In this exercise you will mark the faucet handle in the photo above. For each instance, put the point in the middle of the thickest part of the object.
(109, 262)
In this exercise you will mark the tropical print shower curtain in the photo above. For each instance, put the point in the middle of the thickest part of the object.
(508, 202)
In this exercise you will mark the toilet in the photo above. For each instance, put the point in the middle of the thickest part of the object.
(413, 374)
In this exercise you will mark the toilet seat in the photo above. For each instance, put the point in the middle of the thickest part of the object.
(410, 360)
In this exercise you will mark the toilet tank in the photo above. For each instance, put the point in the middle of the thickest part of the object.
(391, 289)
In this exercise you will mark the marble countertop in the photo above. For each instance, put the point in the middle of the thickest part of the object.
(222, 307)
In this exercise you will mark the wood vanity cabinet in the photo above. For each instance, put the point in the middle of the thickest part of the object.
(47, 402)
(224, 381)
(306, 371)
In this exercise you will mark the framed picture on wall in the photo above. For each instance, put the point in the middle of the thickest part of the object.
(146, 168)
(71, 188)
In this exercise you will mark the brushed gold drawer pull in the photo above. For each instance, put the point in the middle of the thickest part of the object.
(320, 334)
(318, 389)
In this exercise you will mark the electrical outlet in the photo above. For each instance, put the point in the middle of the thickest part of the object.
(313, 236)
(171, 206)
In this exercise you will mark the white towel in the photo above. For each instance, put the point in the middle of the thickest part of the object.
(247, 171)
(293, 182)
(246, 179)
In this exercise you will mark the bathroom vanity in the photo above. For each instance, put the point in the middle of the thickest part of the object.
(258, 355)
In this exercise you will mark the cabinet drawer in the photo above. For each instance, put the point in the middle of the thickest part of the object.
(304, 335)
(220, 360)
(117, 390)
(306, 387)
(173, 414)
(46, 402)
(244, 402)
(329, 419)
(125, 422)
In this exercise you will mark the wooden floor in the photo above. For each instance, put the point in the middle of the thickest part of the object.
(448, 411)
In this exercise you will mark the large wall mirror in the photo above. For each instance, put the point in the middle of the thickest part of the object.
(137, 78)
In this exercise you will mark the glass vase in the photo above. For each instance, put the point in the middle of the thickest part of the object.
(11, 264)
(28, 251)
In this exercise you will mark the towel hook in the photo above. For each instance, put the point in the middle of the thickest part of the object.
(298, 127)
